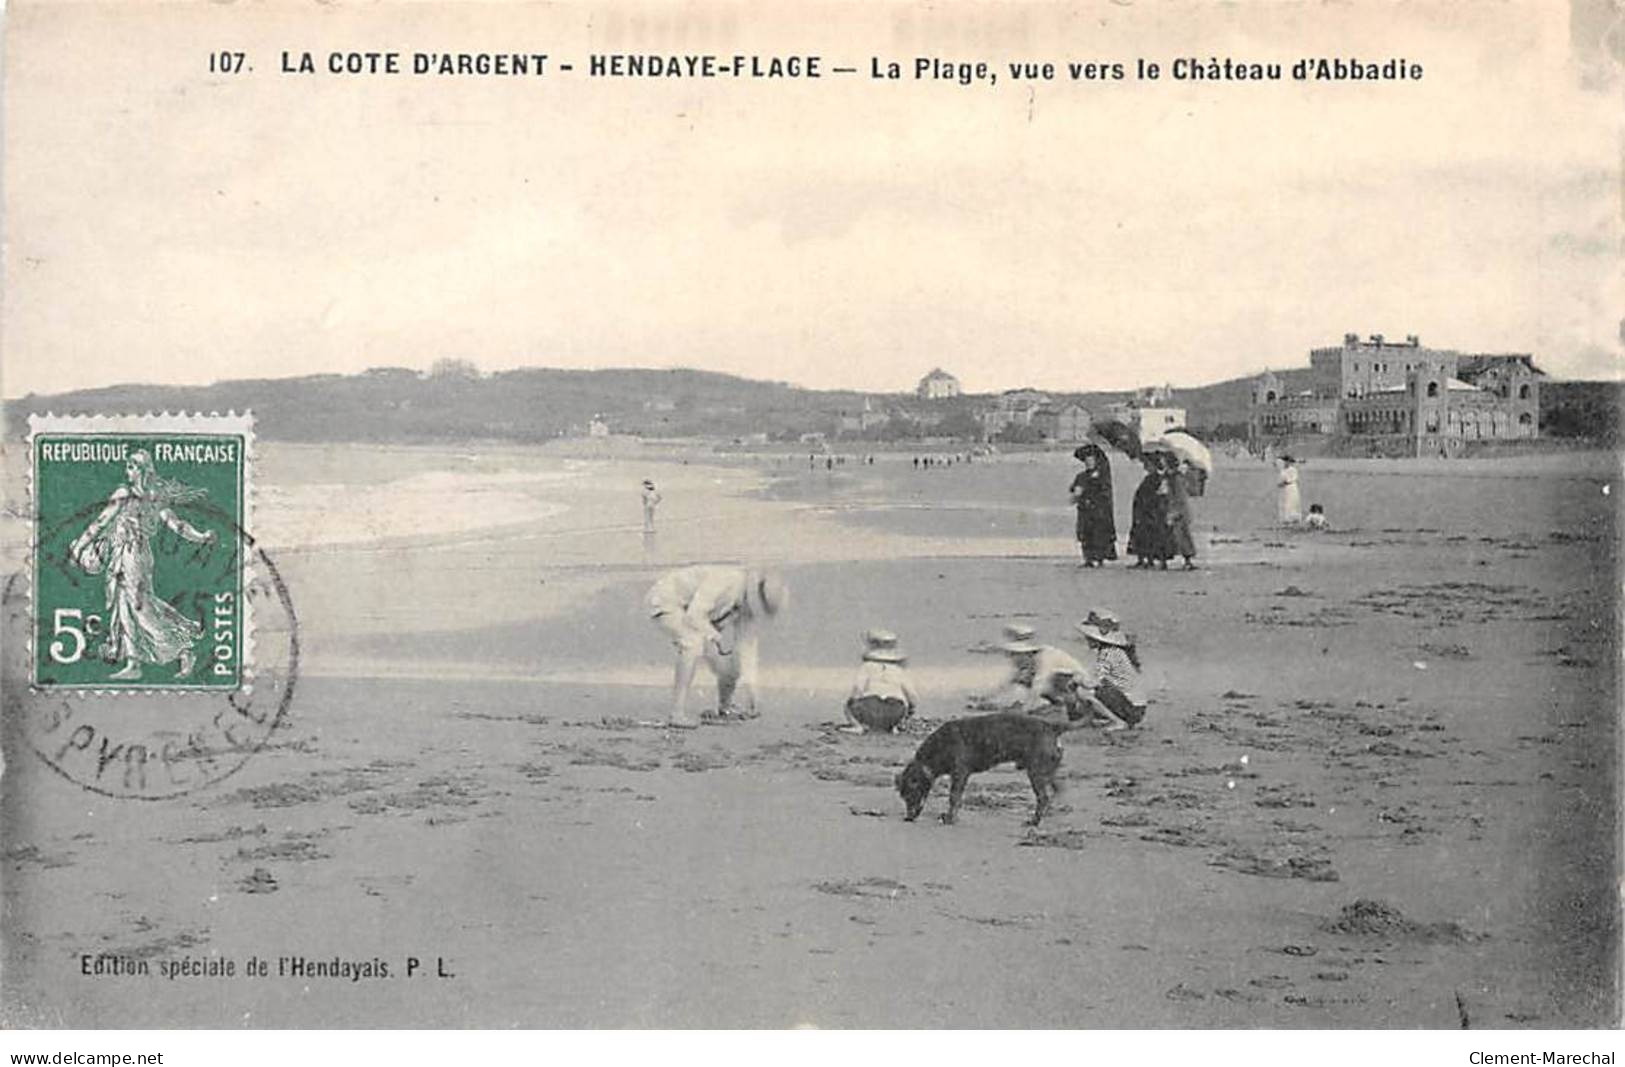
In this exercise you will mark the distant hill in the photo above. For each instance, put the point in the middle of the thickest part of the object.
(1586, 411)
(1220, 409)
(393, 404)
(537, 404)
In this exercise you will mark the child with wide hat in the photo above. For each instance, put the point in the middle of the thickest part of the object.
(1112, 688)
(882, 695)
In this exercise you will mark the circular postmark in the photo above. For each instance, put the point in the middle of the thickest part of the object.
(170, 738)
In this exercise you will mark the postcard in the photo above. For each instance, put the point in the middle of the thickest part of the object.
(931, 516)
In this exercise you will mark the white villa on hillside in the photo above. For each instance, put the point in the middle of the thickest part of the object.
(938, 385)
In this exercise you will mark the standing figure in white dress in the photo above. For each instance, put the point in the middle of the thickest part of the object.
(1288, 504)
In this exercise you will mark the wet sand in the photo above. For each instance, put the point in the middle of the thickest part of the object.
(1376, 787)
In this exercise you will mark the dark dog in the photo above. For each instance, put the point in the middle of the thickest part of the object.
(966, 746)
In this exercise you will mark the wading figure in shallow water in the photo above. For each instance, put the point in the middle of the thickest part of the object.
(651, 501)
(141, 627)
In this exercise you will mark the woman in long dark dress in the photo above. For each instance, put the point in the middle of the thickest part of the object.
(1092, 495)
(1148, 536)
(1180, 541)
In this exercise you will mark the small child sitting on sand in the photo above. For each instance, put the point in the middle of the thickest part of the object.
(1111, 686)
(882, 695)
(1316, 519)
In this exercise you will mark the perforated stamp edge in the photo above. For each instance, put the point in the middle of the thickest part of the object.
(213, 423)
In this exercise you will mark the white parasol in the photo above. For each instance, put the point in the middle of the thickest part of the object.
(1189, 449)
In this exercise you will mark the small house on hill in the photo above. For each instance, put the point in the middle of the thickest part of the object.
(938, 385)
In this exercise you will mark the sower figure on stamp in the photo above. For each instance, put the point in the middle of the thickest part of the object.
(141, 627)
(715, 613)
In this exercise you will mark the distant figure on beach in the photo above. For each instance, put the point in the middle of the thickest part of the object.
(1092, 496)
(1110, 686)
(142, 627)
(1148, 534)
(882, 695)
(715, 613)
(1288, 505)
(651, 501)
(1316, 519)
(1041, 676)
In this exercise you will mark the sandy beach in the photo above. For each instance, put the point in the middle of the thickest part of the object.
(1377, 786)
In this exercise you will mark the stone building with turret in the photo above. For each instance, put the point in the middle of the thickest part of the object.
(1380, 397)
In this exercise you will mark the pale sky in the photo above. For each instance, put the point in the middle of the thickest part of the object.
(168, 225)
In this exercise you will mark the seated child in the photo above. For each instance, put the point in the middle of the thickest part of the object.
(882, 695)
(1111, 687)
(1317, 517)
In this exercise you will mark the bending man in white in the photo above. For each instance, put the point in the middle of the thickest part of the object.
(715, 613)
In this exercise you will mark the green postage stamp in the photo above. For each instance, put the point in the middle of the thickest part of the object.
(140, 552)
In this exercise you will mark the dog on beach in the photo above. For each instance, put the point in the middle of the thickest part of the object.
(965, 747)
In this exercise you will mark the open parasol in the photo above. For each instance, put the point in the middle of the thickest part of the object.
(1120, 435)
(1183, 444)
